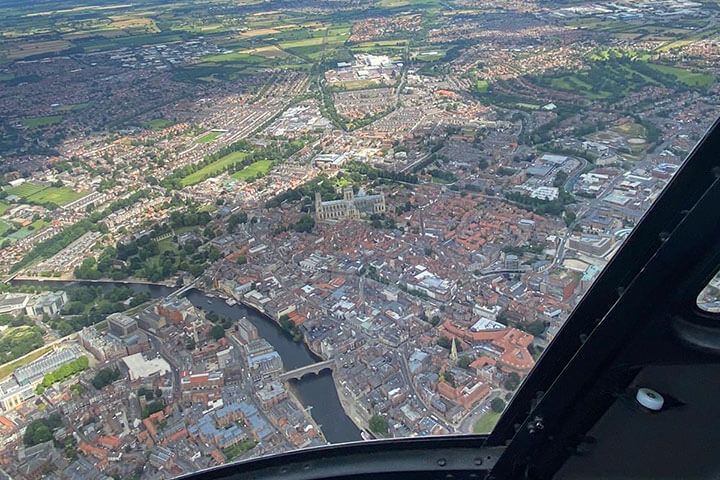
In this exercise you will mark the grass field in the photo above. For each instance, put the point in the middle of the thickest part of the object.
(58, 196)
(357, 84)
(26, 231)
(158, 123)
(40, 194)
(24, 190)
(259, 32)
(612, 79)
(209, 137)
(212, 169)
(261, 167)
(138, 23)
(27, 49)
(630, 129)
(482, 86)
(268, 52)
(74, 107)
(4, 227)
(10, 367)
(236, 57)
(575, 84)
(383, 43)
(3, 207)
(691, 79)
(35, 122)
(486, 423)
(334, 36)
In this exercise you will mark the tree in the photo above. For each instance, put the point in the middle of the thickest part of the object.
(448, 377)
(444, 342)
(41, 430)
(305, 224)
(105, 377)
(536, 328)
(464, 361)
(378, 424)
(497, 405)
(217, 332)
(152, 407)
(512, 382)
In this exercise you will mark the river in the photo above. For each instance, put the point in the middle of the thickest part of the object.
(314, 391)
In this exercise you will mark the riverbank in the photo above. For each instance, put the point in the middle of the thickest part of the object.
(129, 281)
(348, 405)
(292, 394)
(317, 392)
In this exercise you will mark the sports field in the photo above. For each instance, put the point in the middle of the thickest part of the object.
(212, 169)
(486, 423)
(261, 167)
(40, 194)
(34, 122)
(157, 123)
(209, 137)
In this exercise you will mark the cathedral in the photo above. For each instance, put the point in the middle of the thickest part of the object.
(351, 206)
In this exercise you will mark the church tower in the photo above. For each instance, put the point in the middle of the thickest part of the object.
(453, 352)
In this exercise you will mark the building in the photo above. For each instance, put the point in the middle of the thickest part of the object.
(13, 303)
(139, 367)
(594, 245)
(36, 370)
(466, 395)
(271, 394)
(264, 365)
(102, 347)
(150, 320)
(121, 325)
(202, 387)
(350, 207)
(246, 330)
(224, 357)
(175, 310)
(13, 395)
(49, 304)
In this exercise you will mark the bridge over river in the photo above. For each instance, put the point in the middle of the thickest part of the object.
(315, 368)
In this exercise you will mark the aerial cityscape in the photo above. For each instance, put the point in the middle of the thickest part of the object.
(233, 229)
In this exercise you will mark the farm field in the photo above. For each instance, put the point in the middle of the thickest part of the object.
(261, 167)
(212, 169)
(27, 49)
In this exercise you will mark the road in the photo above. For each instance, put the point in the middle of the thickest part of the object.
(159, 347)
(408, 378)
